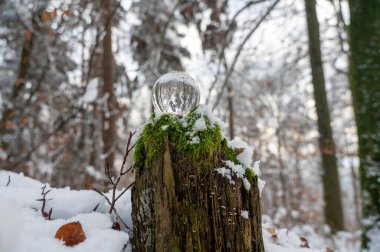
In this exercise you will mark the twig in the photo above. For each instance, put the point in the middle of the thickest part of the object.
(43, 199)
(96, 207)
(9, 180)
(126, 189)
(115, 182)
(114, 209)
(224, 45)
(239, 50)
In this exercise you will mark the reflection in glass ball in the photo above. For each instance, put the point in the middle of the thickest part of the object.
(175, 93)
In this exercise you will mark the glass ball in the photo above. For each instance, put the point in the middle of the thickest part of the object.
(175, 93)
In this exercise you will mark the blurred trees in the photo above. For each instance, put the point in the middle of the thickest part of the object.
(107, 69)
(365, 86)
(330, 176)
(76, 77)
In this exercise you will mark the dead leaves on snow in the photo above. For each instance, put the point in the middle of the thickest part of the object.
(71, 233)
(304, 243)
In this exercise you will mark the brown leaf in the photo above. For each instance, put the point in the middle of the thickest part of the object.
(71, 233)
(45, 215)
(304, 242)
(48, 15)
(272, 231)
(116, 226)
(238, 150)
(329, 249)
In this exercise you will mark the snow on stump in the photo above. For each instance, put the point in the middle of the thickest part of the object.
(191, 191)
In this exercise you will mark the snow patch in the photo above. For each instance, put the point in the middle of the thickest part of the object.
(165, 127)
(91, 92)
(200, 125)
(214, 121)
(244, 214)
(226, 173)
(261, 184)
(245, 157)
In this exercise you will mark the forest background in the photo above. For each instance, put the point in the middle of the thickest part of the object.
(285, 75)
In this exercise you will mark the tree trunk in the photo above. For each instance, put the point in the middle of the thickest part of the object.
(109, 117)
(365, 86)
(330, 177)
(182, 204)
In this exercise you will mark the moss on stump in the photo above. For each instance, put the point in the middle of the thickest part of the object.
(180, 202)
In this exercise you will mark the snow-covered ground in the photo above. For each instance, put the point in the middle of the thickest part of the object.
(23, 228)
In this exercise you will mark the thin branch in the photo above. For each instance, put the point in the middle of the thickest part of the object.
(96, 207)
(45, 139)
(239, 50)
(224, 45)
(114, 209)
(108, 172)
(125, 189)
(115, 182)
(9, 180)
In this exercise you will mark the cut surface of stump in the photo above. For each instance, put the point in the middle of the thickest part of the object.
(191, 193)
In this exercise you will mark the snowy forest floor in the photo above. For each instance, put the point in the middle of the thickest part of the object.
(23, 228)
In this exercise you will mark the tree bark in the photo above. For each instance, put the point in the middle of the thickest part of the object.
(178, 205)
(365, 87)
(330, 177)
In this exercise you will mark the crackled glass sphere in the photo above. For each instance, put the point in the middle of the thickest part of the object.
(175, 93)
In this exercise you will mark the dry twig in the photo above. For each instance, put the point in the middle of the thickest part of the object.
(43, 199)
(9, 180)
(115, 182)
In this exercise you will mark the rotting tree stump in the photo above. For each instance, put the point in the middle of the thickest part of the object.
(181, 203)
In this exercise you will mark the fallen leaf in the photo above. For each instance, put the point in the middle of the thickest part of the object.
(116, 226)
(272, 231)
(71, 233)
(304, 242)
(329, 249)
(238, 150)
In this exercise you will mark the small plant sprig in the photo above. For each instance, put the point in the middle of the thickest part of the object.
(43, 199)
(115, 182)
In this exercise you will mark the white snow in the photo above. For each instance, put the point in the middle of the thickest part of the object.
(94, 173)
(246, 184)
(225, 173)
(236, 168)
(23, 229)
(261, 184)
(200, 125)
(195, 140)
(244, 214)
(374, 236)
(206, 111)
(91, 91)
(245, 157)
(256, 168)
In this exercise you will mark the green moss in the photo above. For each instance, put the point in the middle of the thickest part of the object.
(201, 146)
(229, 153)
(249, 174)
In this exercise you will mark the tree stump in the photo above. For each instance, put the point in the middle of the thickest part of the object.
(180, 201)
